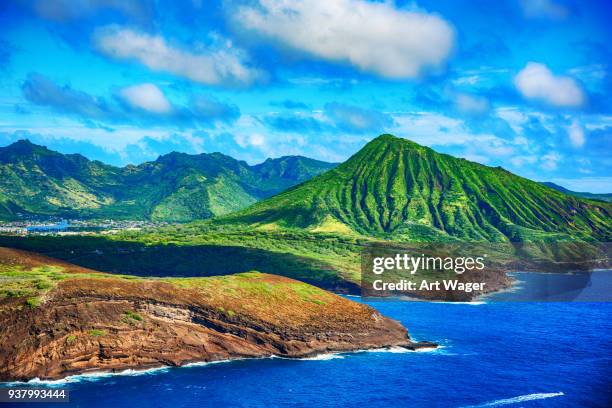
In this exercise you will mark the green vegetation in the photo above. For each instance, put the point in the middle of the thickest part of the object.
(131, 315)
(32, 283)
(17, 281)
(236, 296)
(233, 294)
(33, 302)
(70, 339)
(394, 189)
(229, 293)
(205, 249)
(175, 187)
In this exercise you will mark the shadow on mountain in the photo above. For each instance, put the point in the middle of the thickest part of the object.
(132, 258)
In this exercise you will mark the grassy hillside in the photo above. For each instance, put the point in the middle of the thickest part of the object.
(30, 277)
(176, 187)
(57, 320)
(392, 190)
(203, 249)
(396, 189)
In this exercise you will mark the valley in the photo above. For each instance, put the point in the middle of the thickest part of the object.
(36, 182)
(392, 190)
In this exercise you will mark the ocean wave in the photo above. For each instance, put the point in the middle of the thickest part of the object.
(401, 350)
(98, 375)
(207, 363)
(316, 357)
(517, 400)
(87, 377)
(323, 357)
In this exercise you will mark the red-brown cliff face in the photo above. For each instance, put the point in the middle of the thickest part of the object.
(90, 321)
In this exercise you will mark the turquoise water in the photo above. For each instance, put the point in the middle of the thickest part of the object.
(492, 354)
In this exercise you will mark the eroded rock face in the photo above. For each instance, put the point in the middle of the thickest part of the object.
(89, 324)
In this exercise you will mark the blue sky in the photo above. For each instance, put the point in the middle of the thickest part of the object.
(520, 84)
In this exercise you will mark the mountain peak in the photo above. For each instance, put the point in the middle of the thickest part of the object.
(389, 139)
(22, 144)
(25, 142)
(386, 137)
(22, 148)
(394, 188)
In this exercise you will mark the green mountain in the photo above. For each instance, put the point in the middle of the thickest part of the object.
(396, 189)
(591, 196)
(176, 187)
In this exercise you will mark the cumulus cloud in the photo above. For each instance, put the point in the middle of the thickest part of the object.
(147, 97)
(543, 9)
(221, 65)
(576, 134)
(537, 82)
(142, 103)
(375, 37)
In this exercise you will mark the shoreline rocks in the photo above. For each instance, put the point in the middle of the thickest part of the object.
(109, 324)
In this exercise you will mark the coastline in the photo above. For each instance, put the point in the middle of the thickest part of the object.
(95, 375)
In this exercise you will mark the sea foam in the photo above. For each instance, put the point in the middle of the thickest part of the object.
(517, 400)
(89, 377)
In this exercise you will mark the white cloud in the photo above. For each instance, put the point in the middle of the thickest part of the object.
(208, 65)
(576, 134)
(147, 97)
(514, 117)
(543, 8)
(471, 104)
(467, 80)
(478, 158)
(550, 160)
(436, 129)
(519, 161)
(257, 139)
(252, 139)
(374, 37)
(593, 73)
(537, 82)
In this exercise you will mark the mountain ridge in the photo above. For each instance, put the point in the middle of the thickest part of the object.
(174, 187)
(591, 196)
(396, 189)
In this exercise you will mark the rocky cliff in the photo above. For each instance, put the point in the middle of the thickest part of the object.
(57, 320)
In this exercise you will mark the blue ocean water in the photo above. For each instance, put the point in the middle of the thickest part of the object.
(493, 354)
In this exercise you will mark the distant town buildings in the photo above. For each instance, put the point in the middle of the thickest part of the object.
(54, 226)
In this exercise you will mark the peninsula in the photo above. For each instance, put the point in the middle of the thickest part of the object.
(58, 319)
